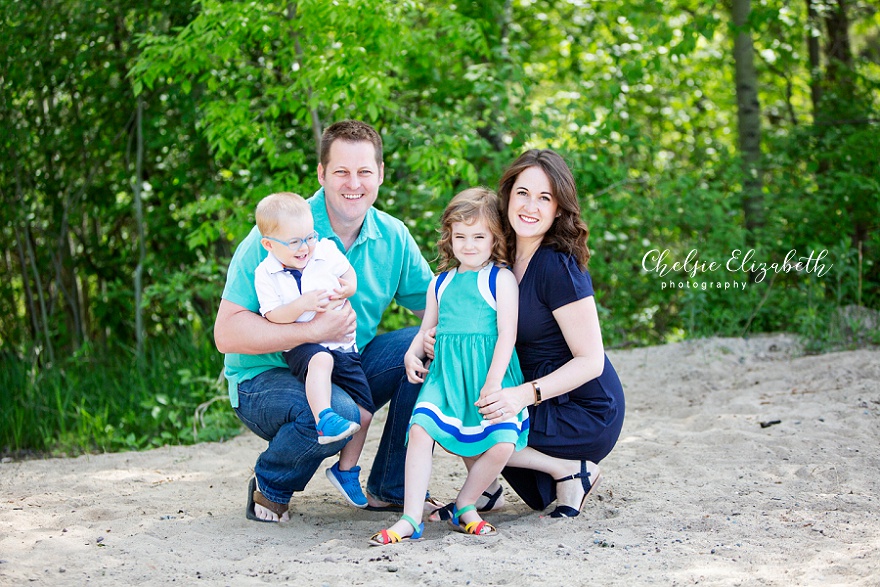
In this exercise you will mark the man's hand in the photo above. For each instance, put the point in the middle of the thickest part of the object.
(336, 326)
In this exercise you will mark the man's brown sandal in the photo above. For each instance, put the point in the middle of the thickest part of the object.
(255, 497)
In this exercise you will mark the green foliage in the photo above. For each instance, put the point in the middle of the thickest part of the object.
(106, 399)
(638, 96)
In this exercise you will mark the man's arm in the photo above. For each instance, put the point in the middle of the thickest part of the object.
(415, 277)
(238, 330)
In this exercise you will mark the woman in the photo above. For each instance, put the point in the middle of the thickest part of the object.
(574, 397)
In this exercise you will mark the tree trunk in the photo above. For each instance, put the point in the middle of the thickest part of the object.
(65, 275)
(839, 49)
(317, 129)
(748, 118)
(139, 219)
(843, 105)
(30, 303)
(492, 131)
(39, 282)
(97, 330)
(840, 74)
(32, 265)
(815, 59)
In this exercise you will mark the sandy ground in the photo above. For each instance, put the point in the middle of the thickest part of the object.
(697, 492)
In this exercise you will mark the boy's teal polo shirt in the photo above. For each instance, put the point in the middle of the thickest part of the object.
(385, 258)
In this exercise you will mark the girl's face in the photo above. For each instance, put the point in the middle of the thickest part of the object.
(532, 207)
(472, 244)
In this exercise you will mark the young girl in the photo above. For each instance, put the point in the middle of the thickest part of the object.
(473, 303)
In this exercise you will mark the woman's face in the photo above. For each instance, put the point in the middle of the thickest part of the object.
(532, 207)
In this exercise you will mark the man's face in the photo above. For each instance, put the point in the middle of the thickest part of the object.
(351, 181)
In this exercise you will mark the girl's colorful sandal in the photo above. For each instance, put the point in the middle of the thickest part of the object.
(386, 537)
(481, 528)
(445, 512)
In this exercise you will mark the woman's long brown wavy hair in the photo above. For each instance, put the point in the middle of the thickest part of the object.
(568, 233)
(469, 206)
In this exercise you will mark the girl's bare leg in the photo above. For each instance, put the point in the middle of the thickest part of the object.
(483, 472)
(418, 476)
(482, 500)
(493, 487)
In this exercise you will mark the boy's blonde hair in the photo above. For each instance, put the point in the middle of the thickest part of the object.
(276, 206)
(469, 206)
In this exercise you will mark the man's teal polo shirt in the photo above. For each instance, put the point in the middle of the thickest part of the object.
(385, 258)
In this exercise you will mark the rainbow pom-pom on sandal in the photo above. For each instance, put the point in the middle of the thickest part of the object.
(387, 537)
(481, 528)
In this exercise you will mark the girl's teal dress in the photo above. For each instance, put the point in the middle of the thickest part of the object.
(467, 331)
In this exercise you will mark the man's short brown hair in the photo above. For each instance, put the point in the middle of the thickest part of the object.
(351, 131)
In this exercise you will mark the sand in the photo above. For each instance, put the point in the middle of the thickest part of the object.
(696, 492)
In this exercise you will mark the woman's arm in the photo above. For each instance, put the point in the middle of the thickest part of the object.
(238, 330)
(507, 304)
(579, 323)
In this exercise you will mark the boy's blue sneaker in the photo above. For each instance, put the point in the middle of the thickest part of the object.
(348, 485)
(332, 427)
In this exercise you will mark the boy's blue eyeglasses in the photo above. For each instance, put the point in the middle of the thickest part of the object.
(296, 244)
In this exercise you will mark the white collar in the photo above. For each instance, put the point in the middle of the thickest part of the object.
(273, 265)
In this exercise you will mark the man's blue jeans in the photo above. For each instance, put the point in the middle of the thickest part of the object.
(274, 406)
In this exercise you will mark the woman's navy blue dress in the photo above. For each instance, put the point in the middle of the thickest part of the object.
(583, 424)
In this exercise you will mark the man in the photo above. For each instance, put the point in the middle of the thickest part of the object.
(265, 396)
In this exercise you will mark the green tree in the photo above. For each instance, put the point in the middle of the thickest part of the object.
(748, 111)
(639, 96)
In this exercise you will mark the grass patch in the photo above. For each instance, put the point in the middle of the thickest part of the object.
(105, 399)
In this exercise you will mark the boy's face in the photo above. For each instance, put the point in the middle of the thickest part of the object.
(298, 227)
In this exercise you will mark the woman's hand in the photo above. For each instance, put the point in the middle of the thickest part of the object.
(499, 405)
